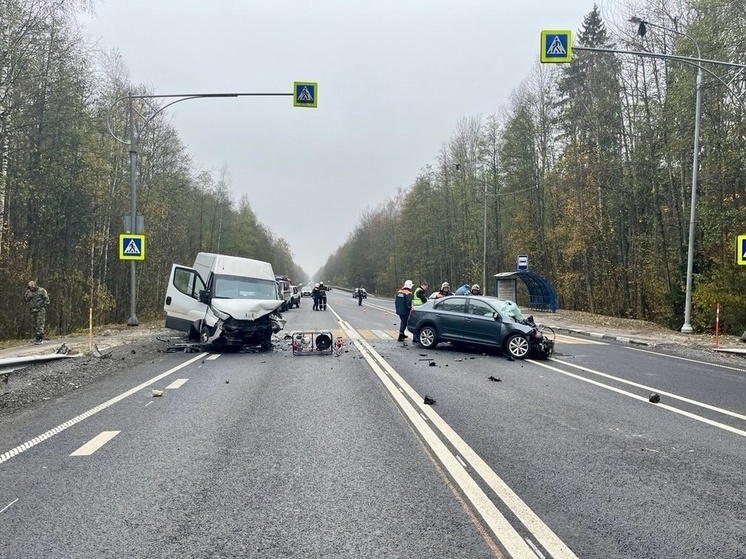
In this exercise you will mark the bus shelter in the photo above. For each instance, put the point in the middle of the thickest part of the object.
(540, 293)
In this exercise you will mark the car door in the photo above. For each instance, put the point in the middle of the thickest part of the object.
(449, 317)
(182, 305)
(480, 324)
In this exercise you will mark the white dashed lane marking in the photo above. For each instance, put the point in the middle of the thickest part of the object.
(95, 443)
(178, 383)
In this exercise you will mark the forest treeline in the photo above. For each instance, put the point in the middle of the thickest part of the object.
(587, 169)
(64, 181)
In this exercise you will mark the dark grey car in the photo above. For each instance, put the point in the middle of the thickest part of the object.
(483, 321)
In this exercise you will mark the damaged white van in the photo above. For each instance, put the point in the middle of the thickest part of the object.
(224, 300)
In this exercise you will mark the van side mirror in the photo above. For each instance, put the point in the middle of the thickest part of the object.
(204, 296)
(496, 315)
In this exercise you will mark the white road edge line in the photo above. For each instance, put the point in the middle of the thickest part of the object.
(52, 432)
(95, 443)
(505, 533)
(651, 388)
(739, 369)
(640, 398)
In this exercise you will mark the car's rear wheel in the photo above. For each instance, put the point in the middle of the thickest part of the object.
(518, 346)
(427, 337)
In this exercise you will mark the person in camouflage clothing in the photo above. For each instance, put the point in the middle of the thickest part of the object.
(38, 301)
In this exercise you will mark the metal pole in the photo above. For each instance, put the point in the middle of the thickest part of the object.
(687, 327)
(484, 251)
(132, 321)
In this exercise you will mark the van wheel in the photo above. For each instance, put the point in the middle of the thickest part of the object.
(204, 334)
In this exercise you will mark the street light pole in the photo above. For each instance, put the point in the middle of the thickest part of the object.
(687, 327)
(484, 249)
(133, 137)
(132, 320)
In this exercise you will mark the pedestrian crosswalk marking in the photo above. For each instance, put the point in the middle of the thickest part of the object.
(132, 248)
(374, 335)
(381, 334)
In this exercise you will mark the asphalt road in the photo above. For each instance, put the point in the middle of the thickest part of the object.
(275, 455)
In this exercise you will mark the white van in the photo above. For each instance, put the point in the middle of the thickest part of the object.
(224, 300)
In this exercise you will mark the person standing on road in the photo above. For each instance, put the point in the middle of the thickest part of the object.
(420, 294)
(315, 295)
(322, 296)
(38, 301)
(475, 290)
(403, 307)
(360, 292)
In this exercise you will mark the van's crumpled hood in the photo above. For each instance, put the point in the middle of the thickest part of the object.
(246, 309)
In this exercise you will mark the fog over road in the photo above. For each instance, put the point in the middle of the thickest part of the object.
(271, 454)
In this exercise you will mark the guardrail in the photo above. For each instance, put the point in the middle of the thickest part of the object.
(10, 364)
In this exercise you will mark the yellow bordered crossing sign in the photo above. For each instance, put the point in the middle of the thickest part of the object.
(741, 250)
(131, 247)
(556, 45)
(305, 94)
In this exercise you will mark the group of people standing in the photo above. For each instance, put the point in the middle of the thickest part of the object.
(406, 298)
(319, 296)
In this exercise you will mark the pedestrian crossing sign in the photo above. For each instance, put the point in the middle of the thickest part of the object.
(741, 250)
(131, 247)
(556, 46)
(305, 94)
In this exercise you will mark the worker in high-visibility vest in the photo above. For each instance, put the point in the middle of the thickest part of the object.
(420, 294)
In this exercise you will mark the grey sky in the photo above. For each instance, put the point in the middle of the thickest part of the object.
(394, 78)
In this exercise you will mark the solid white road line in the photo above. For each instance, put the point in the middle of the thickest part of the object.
(178, 383)
(739, 369)
(52, 432)
(653, 389)
(95, 443)
(642, 399)
(494, 519)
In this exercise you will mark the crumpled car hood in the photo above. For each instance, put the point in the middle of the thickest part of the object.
(246, 309)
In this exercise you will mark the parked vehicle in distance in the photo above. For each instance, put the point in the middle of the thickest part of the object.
(481, 321)
(224, 300)
(294, 296)
(355, 293)
(307, 290)
(284, 291)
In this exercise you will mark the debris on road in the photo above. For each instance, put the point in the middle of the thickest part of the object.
(428, 400)
(654, 398)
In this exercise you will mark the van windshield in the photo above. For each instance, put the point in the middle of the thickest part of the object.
(235, 287)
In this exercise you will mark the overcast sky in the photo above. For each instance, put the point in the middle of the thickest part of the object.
(395, 76)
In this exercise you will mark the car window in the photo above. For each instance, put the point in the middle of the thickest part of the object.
(452, 304)
(480, 308)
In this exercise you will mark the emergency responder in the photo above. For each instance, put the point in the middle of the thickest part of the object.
(403, 307)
